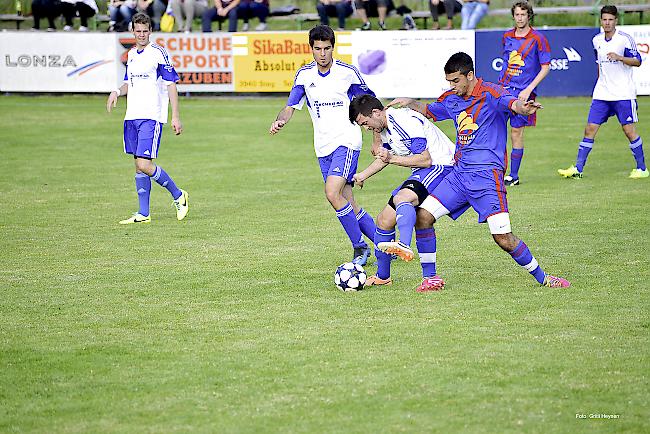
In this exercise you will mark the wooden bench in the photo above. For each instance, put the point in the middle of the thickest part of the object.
(18, 19)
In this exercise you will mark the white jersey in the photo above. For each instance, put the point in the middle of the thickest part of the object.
(408, 132)
(148, 73)
(328, 100)
(615, 82)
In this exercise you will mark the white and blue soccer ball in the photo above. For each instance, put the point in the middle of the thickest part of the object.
(350, 277)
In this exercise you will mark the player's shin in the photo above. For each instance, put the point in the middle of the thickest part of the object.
(425, 240)
(636, 146)
(143, 188)
(584, 149)
(351, 226)
(383, 259)
(164, 180)
(522, 256)
(366, 224)
(405, 221)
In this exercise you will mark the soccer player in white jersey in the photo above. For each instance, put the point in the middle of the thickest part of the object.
(614, 94)
(406, 138)
(327, 86)
(149, 82)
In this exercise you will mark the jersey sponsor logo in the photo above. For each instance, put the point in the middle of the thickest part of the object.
(466, 128)
(205, 77)
(515, 63)
(332, 104)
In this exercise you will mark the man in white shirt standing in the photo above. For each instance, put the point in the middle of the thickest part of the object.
(327, 86)
(614, 94)
(149, 83)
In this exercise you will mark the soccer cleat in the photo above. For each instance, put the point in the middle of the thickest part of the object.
(434, 283)
(136, 218)
(182, 205)
(510, 181)
(378, 281)
(361, 255)
(396, 248)
(638, 174)
(571, 172)
(555, 282)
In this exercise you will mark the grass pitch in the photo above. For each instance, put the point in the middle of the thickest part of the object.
(230, 322)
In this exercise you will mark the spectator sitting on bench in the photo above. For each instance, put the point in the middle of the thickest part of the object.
(187, 9)
(84, 8)
(254, 9)
(451, 7)
(473, 11)
(373, 8)
(45, 9)
(120, 13)
(221, 10)
(334, 8)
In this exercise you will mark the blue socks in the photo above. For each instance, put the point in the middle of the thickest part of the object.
(583, 152)
(405, 221)
(425, 240)
(162, 178)
(143, 187)
(383, 259)
(351, 226)
(636, 147)
(515, 162)
(366, 224)
(523, 257)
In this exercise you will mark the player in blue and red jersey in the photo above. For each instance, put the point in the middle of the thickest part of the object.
(480, 111)
(526, 62)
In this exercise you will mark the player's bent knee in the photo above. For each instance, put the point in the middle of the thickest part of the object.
(406, 195)
(386, 219)
(434, 207)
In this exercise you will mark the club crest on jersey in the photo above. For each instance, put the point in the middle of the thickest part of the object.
(466, 128)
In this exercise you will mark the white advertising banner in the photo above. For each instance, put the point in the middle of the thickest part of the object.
(58, 62)
(203, 60)
(408, 63)
(641, 35)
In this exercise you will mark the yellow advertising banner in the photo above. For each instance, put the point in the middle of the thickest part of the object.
(267, 62)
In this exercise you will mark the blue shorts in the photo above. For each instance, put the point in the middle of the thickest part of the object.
(483, 190)
(429, 178)
(625, 111)
(142, 138)
(342, 162)
(520, 121)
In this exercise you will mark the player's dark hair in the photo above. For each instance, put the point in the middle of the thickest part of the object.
(609, 9)
(364, 104)
(321, 33)
(524, 5)
(141, 18)
(459, 62)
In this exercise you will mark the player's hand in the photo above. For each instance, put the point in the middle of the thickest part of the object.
(111, 102)
(383, 155)
(358, 179)
(177, 126)
(400, 102)
(614, 56)
(276, 126)
(531, 107)
(524, 95)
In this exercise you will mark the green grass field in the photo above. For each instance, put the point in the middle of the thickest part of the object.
(230, 322)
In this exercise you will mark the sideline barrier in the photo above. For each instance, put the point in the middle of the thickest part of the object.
(393, 63)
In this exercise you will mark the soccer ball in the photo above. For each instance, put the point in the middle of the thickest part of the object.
(350, 277)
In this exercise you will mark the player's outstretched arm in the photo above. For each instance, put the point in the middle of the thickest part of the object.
(410, 103)
(526, 108)
(111, 101)
(281, 119)
(177, 126)
(415, 161)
